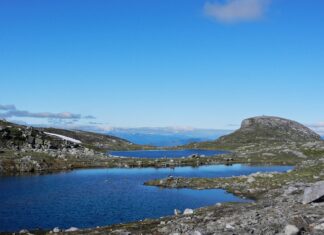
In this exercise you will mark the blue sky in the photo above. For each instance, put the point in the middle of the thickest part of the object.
(137, 63)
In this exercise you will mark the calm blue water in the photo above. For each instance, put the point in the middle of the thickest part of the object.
(97, 197)
(166, 153)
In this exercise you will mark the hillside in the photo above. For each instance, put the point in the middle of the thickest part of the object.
(18, 137)
(263, 129)
(23, 138)
(98, 142)
(28, 149)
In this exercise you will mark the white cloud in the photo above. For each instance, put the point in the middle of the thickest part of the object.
(318, 127)
(236, 10)
(7, 107)
(10, 111)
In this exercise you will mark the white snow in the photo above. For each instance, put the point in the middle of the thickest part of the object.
(64, 137)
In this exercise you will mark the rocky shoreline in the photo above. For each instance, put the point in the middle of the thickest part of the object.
(288, 203)
(278, 207)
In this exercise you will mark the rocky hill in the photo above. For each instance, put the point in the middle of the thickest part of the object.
(24, 138)
(98, 142)
(29, 149)
(264, 129)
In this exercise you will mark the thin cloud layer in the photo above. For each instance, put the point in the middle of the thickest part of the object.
(7, 107)
(233, 11)
(11, 112)
(319, 128)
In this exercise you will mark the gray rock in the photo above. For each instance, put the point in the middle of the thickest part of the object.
(188, 211)
(177, 212)
(250, 179)
(56, 230)
(313, 193)
(291, 230)
(319, 227)
(72, 229)
(290, 190)
(196, 233)
(229, 226)
(23, 231)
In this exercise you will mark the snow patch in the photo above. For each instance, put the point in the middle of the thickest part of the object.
(64, 137)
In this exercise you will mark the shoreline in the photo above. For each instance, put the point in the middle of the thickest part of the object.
(272, 188)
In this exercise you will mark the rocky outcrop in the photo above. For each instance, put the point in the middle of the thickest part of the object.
(22, 138)
(270, 129)
(264, 130)
(28, 149)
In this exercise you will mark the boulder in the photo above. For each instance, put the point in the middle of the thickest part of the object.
(250, 179)
(319, 227)
(196, 233)
(188, 211)
(314, 193)
(291, 230)
(23, 231)
(56, 230)
(177, 212)
(72, 229)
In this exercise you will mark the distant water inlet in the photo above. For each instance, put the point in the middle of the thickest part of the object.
(167, 153)
(98, 197)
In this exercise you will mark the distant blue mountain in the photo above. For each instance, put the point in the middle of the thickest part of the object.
(166, 136)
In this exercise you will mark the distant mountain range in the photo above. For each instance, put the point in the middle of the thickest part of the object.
(167, 136)
(156, 136)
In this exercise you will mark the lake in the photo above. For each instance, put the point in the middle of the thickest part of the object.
(98, 197)
(166, 153)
